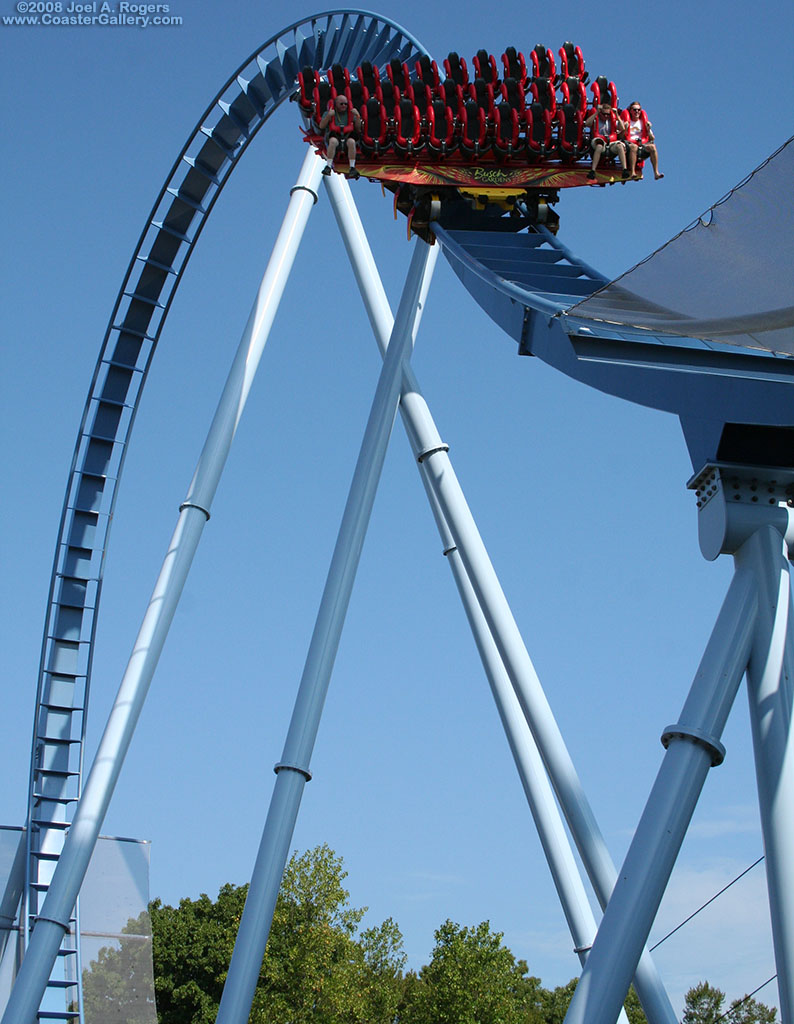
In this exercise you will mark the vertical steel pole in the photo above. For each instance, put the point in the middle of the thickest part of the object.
(451, 509)
(693, 746)
(293, 769)
(770, 687)
(53, 921)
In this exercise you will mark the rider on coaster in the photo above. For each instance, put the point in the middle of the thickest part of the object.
(337, 122)
(640, 138)
(608, 132)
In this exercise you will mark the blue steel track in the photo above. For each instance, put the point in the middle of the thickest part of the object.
(527, 282)
(225, 129)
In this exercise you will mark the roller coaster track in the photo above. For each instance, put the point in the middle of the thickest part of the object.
(526, 281)
(224, 131)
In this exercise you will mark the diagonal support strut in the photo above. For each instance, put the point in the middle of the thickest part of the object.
(53, 921)
(496, 633)
(292, 773)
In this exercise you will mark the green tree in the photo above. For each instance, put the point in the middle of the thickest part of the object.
(382, 980)
(192, 946)
(471, 979)
(704, 1004)
(556, 1002)
(633, 1008)
(750, 1011)
(317, 968)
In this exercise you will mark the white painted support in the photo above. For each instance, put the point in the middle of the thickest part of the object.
(770, 686)
(455, 520)
(53, 920)
(693, 746)
(293, 770)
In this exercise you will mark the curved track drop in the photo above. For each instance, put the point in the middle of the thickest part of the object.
(528, 284)
(228, 125)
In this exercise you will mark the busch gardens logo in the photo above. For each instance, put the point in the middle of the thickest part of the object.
(493, 175)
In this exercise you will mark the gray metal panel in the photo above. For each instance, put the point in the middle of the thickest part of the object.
(705, 383)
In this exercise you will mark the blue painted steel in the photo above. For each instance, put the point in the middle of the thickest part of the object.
(527, 267)
(230, 122)
(293, 770)
(527, 758)
(753, 634)
(53, 920)
(770, 689)
(643, 878)
(526, 282)
(451, 509)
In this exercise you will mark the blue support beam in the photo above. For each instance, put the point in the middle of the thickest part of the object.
(232, 119)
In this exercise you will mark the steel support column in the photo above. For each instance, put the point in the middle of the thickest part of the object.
(693, 746)
(293, 769)
(453, 515)
(53, 920)
(528, 762)
(770, 687)
(537, 789)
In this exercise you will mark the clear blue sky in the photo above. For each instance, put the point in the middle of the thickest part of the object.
(580, 497)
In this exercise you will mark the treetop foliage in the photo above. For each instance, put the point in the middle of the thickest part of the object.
(321, 967)
(704, 1005)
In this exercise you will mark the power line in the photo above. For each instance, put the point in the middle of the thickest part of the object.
(714, 897)
(744, 999)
